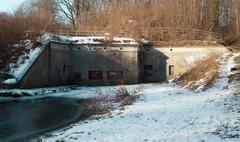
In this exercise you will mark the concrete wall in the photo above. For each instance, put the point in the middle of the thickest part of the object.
(179, 57)
(154, 65)
(64, 64)
(80, 59)
(37, 75)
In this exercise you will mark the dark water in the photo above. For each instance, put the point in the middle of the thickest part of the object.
(22, 119)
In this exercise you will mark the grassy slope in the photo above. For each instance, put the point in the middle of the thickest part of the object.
(202, 74)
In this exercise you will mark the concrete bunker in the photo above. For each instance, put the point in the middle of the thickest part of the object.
(109, 64)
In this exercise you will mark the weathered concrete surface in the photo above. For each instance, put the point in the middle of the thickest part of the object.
(64, 64)
(183, 58)
(154, 65)
(37, 75)
(84, 58)
(71, 64)
(180, 58)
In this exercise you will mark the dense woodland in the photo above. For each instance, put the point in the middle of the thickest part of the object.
(135, 18)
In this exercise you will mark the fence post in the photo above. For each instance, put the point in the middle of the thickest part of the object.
(209, 36)
(194, 34)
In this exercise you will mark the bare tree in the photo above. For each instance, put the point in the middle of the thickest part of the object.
(39, 15)
(73, 11)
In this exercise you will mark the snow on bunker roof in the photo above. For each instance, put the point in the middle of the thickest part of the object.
(17, 70)
(95, 40)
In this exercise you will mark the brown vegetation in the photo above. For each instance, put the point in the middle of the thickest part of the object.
(164, 20)
(18, 26)
(97, 107)
(155, 20)
(203, 73)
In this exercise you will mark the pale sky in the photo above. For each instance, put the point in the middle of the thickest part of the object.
(9, 5)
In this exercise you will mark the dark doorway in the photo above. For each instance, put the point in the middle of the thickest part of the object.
(171, 70)
(68, 73)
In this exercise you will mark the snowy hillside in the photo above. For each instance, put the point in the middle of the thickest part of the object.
(24, 62)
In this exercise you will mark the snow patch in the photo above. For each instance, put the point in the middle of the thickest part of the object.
(23, 64)
(192, 59)
(95, 40)
(10, 81)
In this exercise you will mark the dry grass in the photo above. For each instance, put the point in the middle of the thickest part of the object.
(203, 73)
(98, 107)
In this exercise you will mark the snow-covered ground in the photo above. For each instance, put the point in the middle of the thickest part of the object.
(164, 113)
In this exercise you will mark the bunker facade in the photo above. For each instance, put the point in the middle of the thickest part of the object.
(102, 64)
